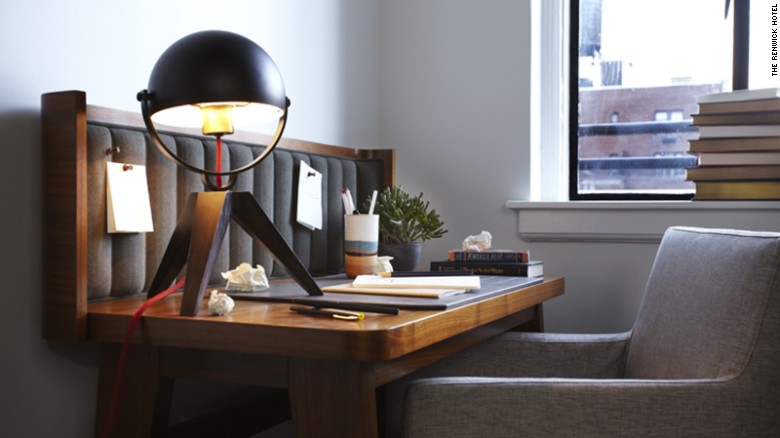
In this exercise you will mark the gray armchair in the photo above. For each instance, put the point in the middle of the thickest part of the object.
(703, 359)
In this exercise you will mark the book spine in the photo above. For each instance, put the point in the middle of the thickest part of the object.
(740, 107)
(732, 173)
(488, 256)
(739, 131)
(738, 158)
(757, 190)
(740, 95)
(735, 144)
(754, 118)
(486, 268)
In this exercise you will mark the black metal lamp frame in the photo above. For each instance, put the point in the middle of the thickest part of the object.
(145, 98)
(203, 222)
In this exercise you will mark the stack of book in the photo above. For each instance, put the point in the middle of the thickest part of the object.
(738, 145)
(491, 262)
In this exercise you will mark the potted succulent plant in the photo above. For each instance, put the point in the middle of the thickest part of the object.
(405, 222)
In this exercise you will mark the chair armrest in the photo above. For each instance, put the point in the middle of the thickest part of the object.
(459, 407)
(520, 354)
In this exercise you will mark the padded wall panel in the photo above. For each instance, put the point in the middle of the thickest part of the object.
(301, 235)
(240, 244)
(283, 192)
(369, 176)
(319, 238)
(335, 217)
(263, 190)
(128, 259)
(124, 264)
(190, 150)
(161, 175)
(98, 242)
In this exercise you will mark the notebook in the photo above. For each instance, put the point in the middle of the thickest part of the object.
(287, 291)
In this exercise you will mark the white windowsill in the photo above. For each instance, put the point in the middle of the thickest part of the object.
(635, 221)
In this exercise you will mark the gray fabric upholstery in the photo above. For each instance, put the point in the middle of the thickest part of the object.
(701, 360)
(519, 354)
(124, 264)
(703, 305)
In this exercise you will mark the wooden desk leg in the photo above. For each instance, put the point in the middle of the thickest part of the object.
(332, 398)
(534, 325)
(145, 397)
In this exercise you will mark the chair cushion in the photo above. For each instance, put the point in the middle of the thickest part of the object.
(704, 303)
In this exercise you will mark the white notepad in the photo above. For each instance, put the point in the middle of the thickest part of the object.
(309, 206)
(428, 287)
(467, 282)
(422, 292)
(128, 209)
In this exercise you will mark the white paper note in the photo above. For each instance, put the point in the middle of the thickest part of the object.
(127, 204)
(309, 208)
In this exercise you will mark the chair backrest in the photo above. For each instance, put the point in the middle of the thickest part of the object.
(706, 308)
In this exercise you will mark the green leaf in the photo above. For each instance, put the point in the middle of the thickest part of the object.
(405, 219)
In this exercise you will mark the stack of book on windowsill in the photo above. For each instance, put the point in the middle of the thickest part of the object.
(738, 145)
(491, 262)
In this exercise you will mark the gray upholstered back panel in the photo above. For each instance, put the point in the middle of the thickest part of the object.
(124, 264)
(704, 304)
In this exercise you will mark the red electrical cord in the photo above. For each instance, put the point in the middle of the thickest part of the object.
(120, 369)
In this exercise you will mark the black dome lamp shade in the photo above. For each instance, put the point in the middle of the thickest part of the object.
(213, 79)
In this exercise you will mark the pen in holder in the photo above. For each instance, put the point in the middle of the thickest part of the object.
(361, 242)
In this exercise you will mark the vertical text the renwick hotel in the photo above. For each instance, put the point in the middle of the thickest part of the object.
(774, 39)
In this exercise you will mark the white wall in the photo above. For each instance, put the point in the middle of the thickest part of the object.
(326, 51)
(454, 93)
(455, 102)
(604, 284)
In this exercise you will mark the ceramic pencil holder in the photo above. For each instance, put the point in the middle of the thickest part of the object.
(361, 241)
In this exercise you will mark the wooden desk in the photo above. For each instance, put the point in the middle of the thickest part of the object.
(331, 368)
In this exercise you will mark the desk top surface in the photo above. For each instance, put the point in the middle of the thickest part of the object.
(271, 328)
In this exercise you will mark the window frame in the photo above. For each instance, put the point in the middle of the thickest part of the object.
(740, 63)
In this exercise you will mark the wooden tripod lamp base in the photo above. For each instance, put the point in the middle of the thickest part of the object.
(198, 236)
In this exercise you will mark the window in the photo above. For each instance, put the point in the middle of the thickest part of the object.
(636, 69)
(666, 115)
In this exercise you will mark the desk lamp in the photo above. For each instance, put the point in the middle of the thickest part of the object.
(216, 80)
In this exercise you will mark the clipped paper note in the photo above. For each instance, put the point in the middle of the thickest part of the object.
(309, 208)
(127, 204)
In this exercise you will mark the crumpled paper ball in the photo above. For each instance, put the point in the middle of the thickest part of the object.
(220, 303)
(245, 278)
(383, 264)
(480, 242)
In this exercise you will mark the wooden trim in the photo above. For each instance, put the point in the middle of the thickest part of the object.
(374, 339)
(391, 370)
(387, 156)
(143, 387)
(112, 116)
(335, 398)
(64, 137)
